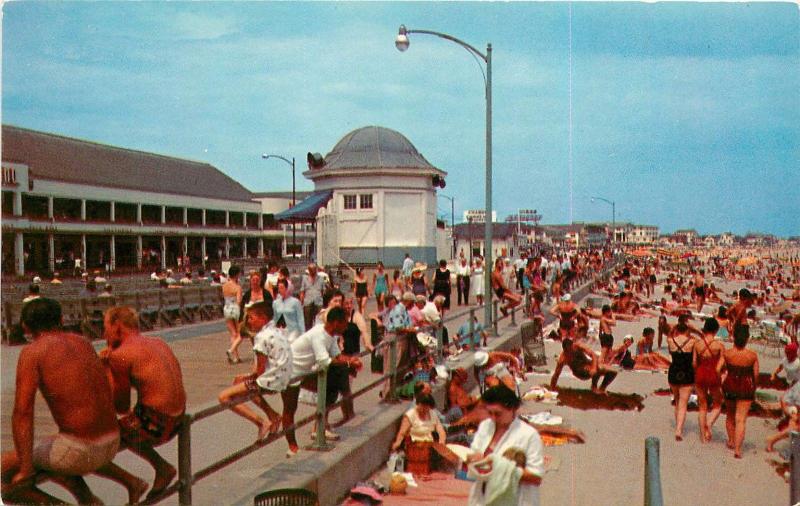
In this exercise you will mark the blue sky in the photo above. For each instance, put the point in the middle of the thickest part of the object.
(685, 114)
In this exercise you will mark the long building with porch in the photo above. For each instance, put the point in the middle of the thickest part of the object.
(70, 203)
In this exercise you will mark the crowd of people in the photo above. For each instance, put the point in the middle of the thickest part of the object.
(296, 331)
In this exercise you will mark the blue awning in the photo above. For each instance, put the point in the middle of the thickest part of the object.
(306, 209)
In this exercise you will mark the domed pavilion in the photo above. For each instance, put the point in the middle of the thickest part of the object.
(374, 200)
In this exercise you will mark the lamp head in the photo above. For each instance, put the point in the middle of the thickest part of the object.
(401, 42)
(264, 156)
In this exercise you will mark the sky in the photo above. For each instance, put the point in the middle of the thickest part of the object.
(686, 115)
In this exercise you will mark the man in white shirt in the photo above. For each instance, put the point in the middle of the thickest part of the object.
(316, 349)
(272, 374)
(408, 265)
(463, 272)
(519, 267)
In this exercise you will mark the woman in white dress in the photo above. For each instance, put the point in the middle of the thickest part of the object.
(476, 280)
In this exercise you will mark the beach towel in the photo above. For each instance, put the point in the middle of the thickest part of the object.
(502, 483)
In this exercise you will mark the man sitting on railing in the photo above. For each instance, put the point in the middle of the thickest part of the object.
(147, 364)
(271, 373)
(66, 369)
(314, 350)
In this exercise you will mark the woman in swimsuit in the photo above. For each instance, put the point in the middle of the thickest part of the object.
(706, 357)
(360, 288)
(397, 285)
(680, 374)
(739, 386)
(232, 294)
(380, 286)
(419, 284)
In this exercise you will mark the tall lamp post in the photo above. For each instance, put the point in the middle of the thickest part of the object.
(402, 43)
(613, 215)
(452, 221)
(294, 201)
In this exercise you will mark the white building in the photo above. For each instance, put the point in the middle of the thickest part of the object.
(374, 199)
(69, 202)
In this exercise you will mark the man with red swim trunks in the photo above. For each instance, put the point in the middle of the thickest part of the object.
(149, 365)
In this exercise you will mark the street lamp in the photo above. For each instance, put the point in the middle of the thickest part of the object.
(613, 214)
(452, 220)
(294, 234)
(402, 42)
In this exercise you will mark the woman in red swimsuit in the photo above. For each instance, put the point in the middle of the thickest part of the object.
(707, 357)
(739, 386)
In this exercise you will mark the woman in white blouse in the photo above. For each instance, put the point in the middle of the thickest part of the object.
(476, 281)
(502, 432)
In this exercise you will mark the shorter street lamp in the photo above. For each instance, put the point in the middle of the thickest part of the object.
(452, 220)
(613, 214)
(265, 156)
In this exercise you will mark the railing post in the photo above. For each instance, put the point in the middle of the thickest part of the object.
(513, 317)
(494, 317)
(392, 368)
(439, 343)
(652, 473)
(472, 330)
(185, 461)
(794, 460)
(320, 443)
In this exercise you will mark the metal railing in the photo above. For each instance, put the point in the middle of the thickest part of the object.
(652, 473)
(186, 476)
(794, 473)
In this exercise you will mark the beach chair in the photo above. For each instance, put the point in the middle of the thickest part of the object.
(533, 343)
(169, 309)
(771, 341)
(147, 305)
(287, 497)
(12, 329)
(212, 301)
(191, 302)
(72, 314)
(93, 311)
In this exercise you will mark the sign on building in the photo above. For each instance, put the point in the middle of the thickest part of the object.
(478, 216)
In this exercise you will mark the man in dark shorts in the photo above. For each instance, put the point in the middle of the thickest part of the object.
(65, 368)
(700, 289)
(584, 365)
(147, 364)
(607, 321)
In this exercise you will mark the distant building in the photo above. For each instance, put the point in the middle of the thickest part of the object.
(506, 239)
(685, 236)
(69, 202)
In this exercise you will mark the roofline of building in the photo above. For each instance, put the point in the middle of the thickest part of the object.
(109, 146)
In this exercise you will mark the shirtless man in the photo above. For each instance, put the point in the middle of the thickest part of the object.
(584, 365)
(607, 321)
(148, 365)
(737, 314)
(71, 378)
(508, 299)
(700, 289)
